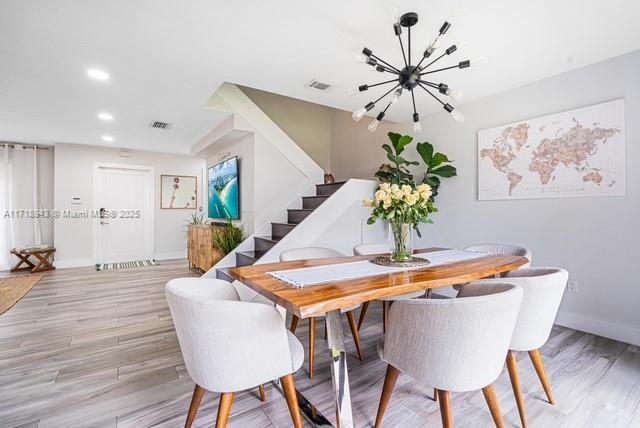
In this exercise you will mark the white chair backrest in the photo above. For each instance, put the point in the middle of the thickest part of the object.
(505, 249)
(307, 253)
(454, 344)
(227, 345)
(543, 290)
(374, 248)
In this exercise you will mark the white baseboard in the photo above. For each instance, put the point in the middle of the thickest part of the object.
(172, 255)
(622, 332)
(71, 263)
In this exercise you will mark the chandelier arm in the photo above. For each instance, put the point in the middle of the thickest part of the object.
(387, 69)
(387, 107)
(432, 62)
(430, 93)
(413, 99)
(409, 44)
(382, 83)
(386, 93)
(440, 69)
(433, 85)
(402, 48)
(385, 63)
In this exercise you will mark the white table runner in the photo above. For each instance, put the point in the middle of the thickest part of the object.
(303, 277)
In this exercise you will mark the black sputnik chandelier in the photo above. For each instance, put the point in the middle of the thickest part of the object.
(409, 77)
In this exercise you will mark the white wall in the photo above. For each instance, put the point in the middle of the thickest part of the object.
(74, 178)
(594, 238)
(308, 124)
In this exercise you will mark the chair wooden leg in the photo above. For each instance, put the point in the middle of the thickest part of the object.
(198, 392)
(387, 390)
(512, 367)
(224, 409)
(294, 324)
(536, 359)
(385, 315)
(435, 395)
(312, 345)
(263, 396)
(351, 316)
(292, 399)
(494, 407)
(363, 312)
(445, 409)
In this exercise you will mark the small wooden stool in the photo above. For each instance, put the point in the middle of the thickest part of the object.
(43, 254)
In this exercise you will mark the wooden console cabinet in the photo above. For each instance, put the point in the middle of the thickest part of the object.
(201, 253)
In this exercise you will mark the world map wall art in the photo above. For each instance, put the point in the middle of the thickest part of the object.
(575, 153)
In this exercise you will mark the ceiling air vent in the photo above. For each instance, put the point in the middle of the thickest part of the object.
(159, 125)
(320, 86)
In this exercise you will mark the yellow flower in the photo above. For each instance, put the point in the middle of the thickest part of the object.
(406, 189)
(410, 199)
(425, 191)
(385, 187)
(380, 195)
(387, 201)
(397, 194)
(394, 188)
(368, 203)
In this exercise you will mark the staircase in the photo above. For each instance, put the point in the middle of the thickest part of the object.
(262, 244)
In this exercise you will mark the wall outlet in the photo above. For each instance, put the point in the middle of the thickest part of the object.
(572, 286)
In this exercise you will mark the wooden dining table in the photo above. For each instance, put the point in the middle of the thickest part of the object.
(329, 297)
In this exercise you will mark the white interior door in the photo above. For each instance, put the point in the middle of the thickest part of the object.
(125, 227)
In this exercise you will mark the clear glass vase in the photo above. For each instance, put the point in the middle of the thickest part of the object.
(401, 241)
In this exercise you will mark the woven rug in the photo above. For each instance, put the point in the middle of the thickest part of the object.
(125, 265)
(15, 288)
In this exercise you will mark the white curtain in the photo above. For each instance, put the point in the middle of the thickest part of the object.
(26, 189)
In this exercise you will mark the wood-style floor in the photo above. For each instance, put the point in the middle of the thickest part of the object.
(98, 349)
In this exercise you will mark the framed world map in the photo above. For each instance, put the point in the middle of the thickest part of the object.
(575, 153)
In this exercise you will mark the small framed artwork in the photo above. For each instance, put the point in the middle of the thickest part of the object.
(178, 192)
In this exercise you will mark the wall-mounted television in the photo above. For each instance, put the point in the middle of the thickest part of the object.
(223, 190)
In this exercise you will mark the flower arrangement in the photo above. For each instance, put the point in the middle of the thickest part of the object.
(400, 200)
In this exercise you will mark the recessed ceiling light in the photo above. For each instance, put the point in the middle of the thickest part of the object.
(107, 138)
(107, 117)
(96, 74)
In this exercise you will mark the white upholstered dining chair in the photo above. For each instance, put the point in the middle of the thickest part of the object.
(229, 345)
(500, 249)
(307, 253)
(464, 349)
(380, 248)
(503, 249)
(543, 289)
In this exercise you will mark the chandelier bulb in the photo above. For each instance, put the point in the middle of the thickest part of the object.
(359, 114)
(482, 60)
(396, 96)
(455, 94)
(457, 116)
(373, 125)
(417, 126)
(360, 57)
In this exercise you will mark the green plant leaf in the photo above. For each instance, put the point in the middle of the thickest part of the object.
(438, 159)
(425, 150)
(402, 143)
(445, 171)
(393, 137)
(432, 181)
(387, 148)
(371, 220)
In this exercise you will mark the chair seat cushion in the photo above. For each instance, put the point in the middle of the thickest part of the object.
(297, 351)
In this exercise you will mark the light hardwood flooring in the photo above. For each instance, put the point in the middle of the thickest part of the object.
(98, 349)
